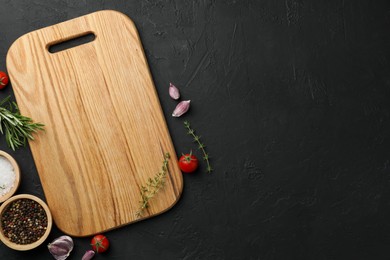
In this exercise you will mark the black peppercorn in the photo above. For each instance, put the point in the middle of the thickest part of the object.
(24, 221)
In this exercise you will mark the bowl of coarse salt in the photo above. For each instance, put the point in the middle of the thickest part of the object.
(9, 176)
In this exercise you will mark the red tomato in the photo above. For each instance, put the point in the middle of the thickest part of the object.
(188, 163)
(100, 243)
(3, 79)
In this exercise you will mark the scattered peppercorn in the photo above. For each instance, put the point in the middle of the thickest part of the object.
(24, 221)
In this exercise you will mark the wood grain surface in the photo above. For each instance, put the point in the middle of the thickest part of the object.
(105, 130)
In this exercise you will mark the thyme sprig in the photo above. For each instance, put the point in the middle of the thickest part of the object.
(152, 186)
(17, 128)
(201, 145)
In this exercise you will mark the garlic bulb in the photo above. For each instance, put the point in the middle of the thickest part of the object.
(61, 247)
(173, 91)
(181, 108)
(88, 255)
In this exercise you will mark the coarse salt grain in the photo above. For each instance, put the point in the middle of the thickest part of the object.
(7, 176)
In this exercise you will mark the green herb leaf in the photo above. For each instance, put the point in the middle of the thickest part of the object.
(17, 128)
(201, 146)
(152, 186)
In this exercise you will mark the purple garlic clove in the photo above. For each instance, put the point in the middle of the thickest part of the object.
(181, 108)
(88, 255)
(61, 247)
(174, 91)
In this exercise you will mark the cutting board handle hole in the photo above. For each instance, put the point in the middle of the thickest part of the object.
(71, 43)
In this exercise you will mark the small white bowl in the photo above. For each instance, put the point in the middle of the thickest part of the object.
(17, 176)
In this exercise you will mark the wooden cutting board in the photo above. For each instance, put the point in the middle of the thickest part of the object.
(105, 129)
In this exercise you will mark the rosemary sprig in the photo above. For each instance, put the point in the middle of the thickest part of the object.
(152, 186)
(201, 146)
(17, 128)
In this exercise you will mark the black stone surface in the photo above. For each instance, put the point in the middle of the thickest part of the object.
(292, 100)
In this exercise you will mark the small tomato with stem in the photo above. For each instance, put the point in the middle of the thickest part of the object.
(3, 79)
(188, 163)
(100, 243)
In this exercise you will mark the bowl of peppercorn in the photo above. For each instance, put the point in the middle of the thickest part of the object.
(25, 222)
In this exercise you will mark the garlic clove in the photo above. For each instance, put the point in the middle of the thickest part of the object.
(174, 91)
(61, 247)
(181, 108)
(88, 255)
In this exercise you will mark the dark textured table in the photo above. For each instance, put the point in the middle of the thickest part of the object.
(292, 100)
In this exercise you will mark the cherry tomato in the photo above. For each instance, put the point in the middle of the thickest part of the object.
(100, 243)
(188, 163)
(3, 79)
